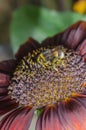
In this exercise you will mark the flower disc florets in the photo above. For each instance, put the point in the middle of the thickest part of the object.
(48, 76)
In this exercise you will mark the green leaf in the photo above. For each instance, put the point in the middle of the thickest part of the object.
(39, 23)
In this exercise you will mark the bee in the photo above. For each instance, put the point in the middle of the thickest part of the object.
(50, 56)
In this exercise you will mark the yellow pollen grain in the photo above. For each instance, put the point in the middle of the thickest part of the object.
(67, 99)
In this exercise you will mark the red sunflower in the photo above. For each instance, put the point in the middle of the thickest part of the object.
(50, 76)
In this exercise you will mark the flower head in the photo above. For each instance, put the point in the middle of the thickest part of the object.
(50, 76)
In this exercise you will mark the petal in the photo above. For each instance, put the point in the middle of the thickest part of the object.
(69, 40)
(72, 115)
(53, 41)
(84, 58)
(29, 46)
(82, 99)
(19, 119)
(67, 36)
(8, 67)
(79, 35)
(4, 82)
(74, 35)
(82, 48)
(7, 104)
(4, 79)
(3, 91)
(49, 120)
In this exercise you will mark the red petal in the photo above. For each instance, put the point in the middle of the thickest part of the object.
(4, 80)
(72, 115)
(8, 67)
(68, 35)
(3, 91)
(49, 120)
(82, 99)
(6, 104)
(74, 35)
(19, 119)
(84, 58)
(29, 46)
(79, 35)
(53, 41)
(81, 46)
(83, 51)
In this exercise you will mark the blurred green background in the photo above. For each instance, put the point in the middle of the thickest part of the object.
(21, 19)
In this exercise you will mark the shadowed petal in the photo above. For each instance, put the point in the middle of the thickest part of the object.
(68, 34)
(84, 58)
(79, 36)
(4, 80)
(53, 41)
(6, 104)
(3, 91)
(74, 35)
(8, 67)
(19, 119)
(72, 115)
(49, 120)
(82, 48)
(82, 99)
(29, 46)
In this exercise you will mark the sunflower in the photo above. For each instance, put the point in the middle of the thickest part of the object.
(50, 77)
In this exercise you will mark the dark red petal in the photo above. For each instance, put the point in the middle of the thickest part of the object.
(82, 48)
(72, 115)
(82, 101)
(79, 35)
(67, 36)
(53, 41)
(84, 58)
(8, 67)
(3, 90)
(7, 104)
(19, 119)
(74, 35)
(29, 46)
(4, 80)
(49, 120)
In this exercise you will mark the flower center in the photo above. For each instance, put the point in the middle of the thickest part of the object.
(48, 76)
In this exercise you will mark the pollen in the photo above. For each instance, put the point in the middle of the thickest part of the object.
(48, 76)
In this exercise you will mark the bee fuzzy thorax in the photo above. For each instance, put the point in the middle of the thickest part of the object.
(48, 76)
